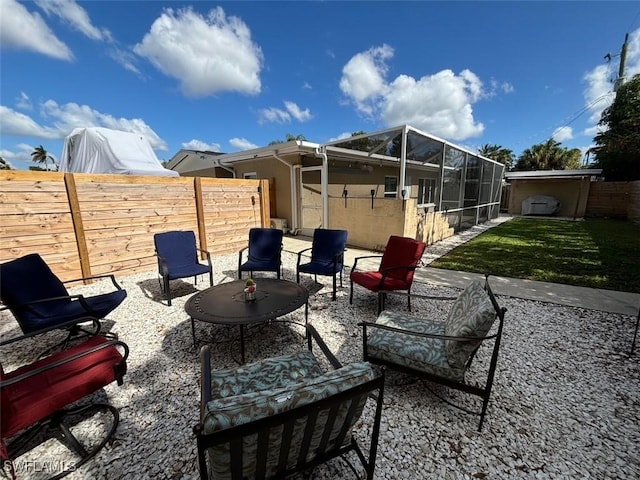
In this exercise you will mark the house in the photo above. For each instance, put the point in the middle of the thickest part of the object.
(196, 163)
(398, 181)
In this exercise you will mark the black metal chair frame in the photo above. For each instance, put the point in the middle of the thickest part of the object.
(262, 427)
(56, 421)
(336, 259)
(164, 273)
(484, 392)
(75, 330)
(382, 294)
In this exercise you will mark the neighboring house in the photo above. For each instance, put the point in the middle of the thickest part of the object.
(194, 163)
(569, 187)
(395, 181)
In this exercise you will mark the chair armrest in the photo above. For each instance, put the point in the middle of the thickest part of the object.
(366, 325)
(206, 253)
(78, 297)
(312, 334)
(205, 379)
(355, 263)
(300, 256)
(70, 323)
(92, 277)
(162, 265)
(68, 359)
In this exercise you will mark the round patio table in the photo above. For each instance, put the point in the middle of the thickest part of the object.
(225, 304)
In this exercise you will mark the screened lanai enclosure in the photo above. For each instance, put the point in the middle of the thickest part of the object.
(463, 186)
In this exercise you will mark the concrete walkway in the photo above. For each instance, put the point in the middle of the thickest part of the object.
(624, 303)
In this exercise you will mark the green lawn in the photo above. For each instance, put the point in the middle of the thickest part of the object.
(598, 253)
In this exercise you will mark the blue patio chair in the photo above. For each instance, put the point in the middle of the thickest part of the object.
(327, 255)
(40, 302)
(178, 258)
(264, 252)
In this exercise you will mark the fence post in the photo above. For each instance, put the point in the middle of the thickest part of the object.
(202, 230)
(78, 228)
(265, 214)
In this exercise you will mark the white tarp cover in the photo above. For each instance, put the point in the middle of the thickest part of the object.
(102, 150)
(540, 205)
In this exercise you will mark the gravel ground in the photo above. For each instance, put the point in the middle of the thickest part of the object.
(565, 402)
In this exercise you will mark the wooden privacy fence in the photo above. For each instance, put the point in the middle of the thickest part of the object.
(86, 224)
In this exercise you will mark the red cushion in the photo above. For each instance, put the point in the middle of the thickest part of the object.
(30, 400)
(400, 251)
(371, 281)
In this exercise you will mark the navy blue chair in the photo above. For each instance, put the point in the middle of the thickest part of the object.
(327, 255)
(178, 258)
(264, 252)
(40, 302)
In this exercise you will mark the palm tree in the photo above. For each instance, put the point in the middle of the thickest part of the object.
(498, 153)
(549, 156)
(4, 165)
(40, 155)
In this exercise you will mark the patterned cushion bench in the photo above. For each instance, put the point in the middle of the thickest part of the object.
(281, 415)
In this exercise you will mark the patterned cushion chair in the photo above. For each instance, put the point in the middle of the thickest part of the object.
(440, 351)
(283, 415)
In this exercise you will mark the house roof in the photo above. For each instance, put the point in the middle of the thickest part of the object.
(592, 172)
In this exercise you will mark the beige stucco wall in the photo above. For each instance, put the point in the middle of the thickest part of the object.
(368, 227)
(572, 194)
(278, 174)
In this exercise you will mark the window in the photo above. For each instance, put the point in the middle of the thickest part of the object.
(250, 175)
(390, 187)
(426, 190)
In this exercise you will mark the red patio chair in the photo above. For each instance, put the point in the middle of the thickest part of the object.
(35, 397)
(397, 266)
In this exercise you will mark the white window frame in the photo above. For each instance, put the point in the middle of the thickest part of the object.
(250, 176)
(390, 193)
(428, 185)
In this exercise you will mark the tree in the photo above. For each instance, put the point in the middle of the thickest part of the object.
(289, 138)
(499, 154)
(40, 155)
(4, 165)
(549, 156)
(617, 148)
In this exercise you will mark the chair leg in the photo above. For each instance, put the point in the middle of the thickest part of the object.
(167, 290)
(351, 292)
(211, 278)
(334, 287)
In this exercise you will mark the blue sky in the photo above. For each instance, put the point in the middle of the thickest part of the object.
(227, 76)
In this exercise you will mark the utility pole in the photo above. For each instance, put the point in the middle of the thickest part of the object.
(623, 60)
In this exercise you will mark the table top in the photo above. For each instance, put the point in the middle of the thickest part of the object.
(225, 303)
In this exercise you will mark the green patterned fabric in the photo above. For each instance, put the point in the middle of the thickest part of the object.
(472, 315)
(271, 373)
(282, 394)
(420, 353)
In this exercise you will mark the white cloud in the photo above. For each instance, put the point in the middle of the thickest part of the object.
(16, 123)
(277, 115)
(71, 115)
(206, 54)
(201, 146)
(22, 155)
(64, 118)
(440, 103)
(363, 77)
(297, 113)
(562, 134)
(340, 136)
(24, 30)
(242, 143)
(24, 102)
(273, 115)
(76, 16)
